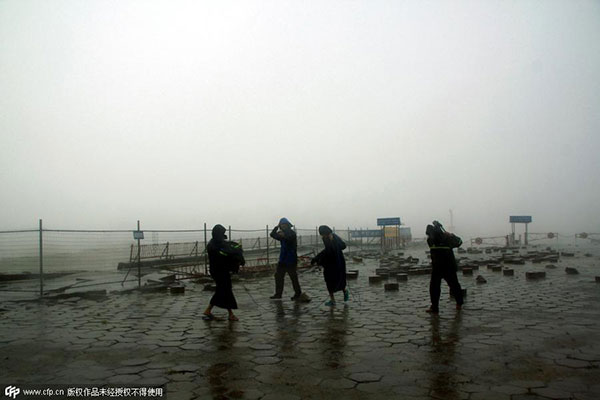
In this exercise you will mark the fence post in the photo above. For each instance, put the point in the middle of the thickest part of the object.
(139, 255)
(205, 253)
(230, 238)
(267, 231)
(361, 240)
(41, 263)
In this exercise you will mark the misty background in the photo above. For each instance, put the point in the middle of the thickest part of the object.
(178, 113)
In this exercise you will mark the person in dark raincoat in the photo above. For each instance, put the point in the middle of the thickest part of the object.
(224, 258)
(288, 258)
(333, 262)
(443, 265)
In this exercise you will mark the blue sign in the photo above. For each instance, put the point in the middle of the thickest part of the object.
(388, 221)
(520, 219)
(365, 233)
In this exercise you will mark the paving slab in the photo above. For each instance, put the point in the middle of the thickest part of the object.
(514, 339)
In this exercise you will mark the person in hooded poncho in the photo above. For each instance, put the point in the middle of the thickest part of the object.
(288, 258)
(443, 265)
(333, 262)
(224, 258)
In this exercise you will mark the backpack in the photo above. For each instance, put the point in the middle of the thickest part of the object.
(235, 256)
(450, 239)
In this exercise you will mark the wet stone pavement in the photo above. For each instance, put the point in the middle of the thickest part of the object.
(515, 339)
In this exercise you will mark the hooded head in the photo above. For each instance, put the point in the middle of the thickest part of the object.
(434, 233)
(218, 232)
(284, 220)
(324, 230)
(429, 230)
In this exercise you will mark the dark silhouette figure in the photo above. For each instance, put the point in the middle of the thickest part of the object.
(288, 258)
(224, 258)
(443, 264)
(333, 262)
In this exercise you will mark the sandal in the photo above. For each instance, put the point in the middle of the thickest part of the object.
(208, 317)
(233, 318)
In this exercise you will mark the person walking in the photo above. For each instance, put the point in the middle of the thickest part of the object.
(288, 258)
(443, 265)
(334, 264)
(224, 258)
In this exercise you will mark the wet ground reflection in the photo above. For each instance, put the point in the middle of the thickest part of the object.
(287, 328)
(223, 339)
(444, 339)
(334, 338)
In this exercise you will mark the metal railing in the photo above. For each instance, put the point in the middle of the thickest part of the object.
(38, 254)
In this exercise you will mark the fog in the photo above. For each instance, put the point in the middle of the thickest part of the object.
(178, 113)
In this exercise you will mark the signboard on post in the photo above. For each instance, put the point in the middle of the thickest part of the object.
(138, 235)
(390, 232)
(388, 221)
(520, 219)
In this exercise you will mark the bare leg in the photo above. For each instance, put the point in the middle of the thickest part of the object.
(232, 317)
(208, 310)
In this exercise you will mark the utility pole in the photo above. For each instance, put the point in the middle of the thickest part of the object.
(451, 227)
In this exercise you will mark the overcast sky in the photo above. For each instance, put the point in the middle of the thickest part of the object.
(327, 112)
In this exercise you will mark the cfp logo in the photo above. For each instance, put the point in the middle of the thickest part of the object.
(12, 391)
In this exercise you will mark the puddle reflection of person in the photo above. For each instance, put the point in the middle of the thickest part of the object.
(443, 381)
(335, 339)
(218, 374)
(288, 327)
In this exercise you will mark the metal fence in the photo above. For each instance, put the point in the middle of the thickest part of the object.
(42, 253)
(33, 255)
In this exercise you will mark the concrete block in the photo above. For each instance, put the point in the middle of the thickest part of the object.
(351, 275)
(177, 289)
(535, 275)
(209, 288)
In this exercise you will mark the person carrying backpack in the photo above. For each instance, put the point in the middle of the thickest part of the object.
(334, 264)
(224, 258)
(443, 265)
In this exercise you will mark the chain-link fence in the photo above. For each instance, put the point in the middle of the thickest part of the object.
(33, 255)
(120, 256)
